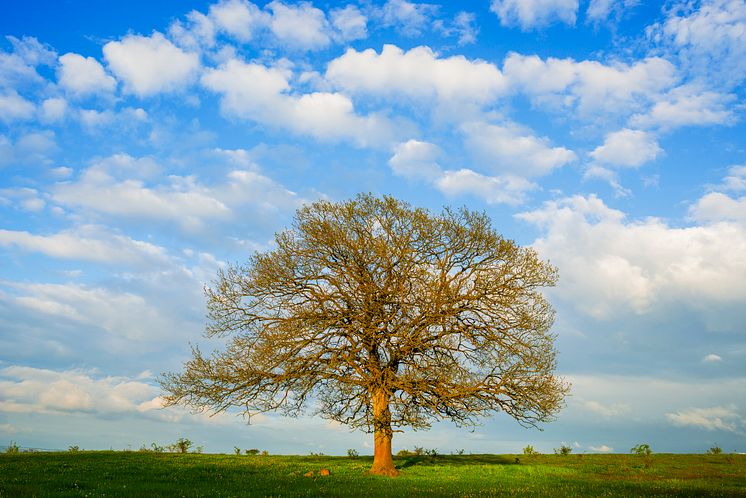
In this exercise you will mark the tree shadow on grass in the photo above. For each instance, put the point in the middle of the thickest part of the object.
(453, 460)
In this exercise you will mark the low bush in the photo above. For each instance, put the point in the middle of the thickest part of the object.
(529, 450)
(12, 448)
(642, 449)
(563, 450)
(715, 450)
(352, 453)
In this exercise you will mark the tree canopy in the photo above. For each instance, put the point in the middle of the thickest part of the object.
(381, 315)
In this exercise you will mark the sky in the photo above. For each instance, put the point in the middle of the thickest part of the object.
(143, 145)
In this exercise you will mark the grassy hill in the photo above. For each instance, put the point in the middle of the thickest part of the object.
(126, 474)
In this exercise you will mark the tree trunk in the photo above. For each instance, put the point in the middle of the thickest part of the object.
(383, 462)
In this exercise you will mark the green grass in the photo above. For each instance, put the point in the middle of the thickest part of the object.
(127, 474)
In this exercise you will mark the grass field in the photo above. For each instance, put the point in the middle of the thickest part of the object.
(126, 474)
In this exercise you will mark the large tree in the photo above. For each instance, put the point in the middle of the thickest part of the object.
(381, 316)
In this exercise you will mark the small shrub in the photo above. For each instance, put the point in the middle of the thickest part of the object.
(642, 449)
(715, 450)
(352, 453)
(252, 451)
(265, 453)
(460, 451)
(12, 448)
(236, 450)
(182, 445)
(529, 450)
(73, 449)
(563, 450)
(199, 449)
(404, 453)
(156, 448)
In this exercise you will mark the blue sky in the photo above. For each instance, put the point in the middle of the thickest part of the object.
(143, 145)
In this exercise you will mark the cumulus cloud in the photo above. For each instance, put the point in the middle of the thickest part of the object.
(608, 10)
(688, 106)
(33, 148)
(13, 107)
(83, 75)
(501, 189)
(262, 94)
(106, 189)
(417, 73)
(511, 149)
(53, 110)
(628, 148)
(149, 65)
(736, 178)
(416, 159)
(601, 449)
(36, 390)
(419, 160)
(712, 358)
(533, 14)
(86, 243)
(589, 86)
(238, 18)
(606, 410)
(299, 25)
(463, 26)
(121, 314)
(716, 418)
(349, 22)
(611, 266)
(409, 18)
(717, 205)
(708, 38)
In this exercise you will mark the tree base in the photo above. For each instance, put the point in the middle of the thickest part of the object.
(384, 471)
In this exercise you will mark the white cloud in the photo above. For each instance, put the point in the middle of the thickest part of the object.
(31, 51)
(736, 179)
(416, 159)
(606, 410)
(418, 73)
(13, 107)
(300, 26)
(23, 198)
(629, 148)
(238, 18)
(531, 14)
(464, 26)
(716, 418)
(502, 189)
(350, 23)
(611, 267)
(83, 75)
(87, 243)
(150, 64)
(36, 390)
(511, 149)
(602, 10)
(33, 148)
(53, 110)
(121, 314)
(589, 86)
(409, 18)
(716, 206)
(601, 449)
(708, 37)
(262, 94)
(712, 358)
(180, 200)
(197, 31)
(687, 106)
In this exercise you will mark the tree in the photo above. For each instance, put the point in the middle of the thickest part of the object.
(383, 316)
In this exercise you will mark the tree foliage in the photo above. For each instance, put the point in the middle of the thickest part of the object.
(386, 316)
